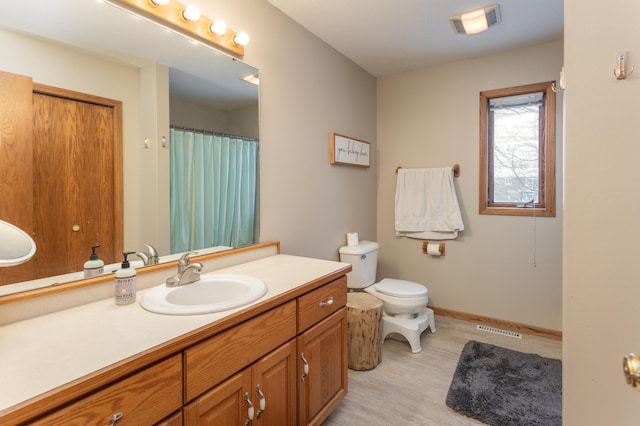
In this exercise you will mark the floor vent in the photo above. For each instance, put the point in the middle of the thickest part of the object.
(499, 331)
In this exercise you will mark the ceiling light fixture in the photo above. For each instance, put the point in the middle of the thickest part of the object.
(187, 21)
(476, 21)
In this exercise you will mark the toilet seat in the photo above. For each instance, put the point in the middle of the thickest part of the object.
(400, 288)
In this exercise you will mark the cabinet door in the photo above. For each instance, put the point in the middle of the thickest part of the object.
(173, 420)
(224, 405)
(274, 383)
(323, 349)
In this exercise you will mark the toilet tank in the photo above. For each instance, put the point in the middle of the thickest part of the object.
(363, 258)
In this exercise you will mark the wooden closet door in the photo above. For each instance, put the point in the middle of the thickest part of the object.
(16, 172)
(74, 193)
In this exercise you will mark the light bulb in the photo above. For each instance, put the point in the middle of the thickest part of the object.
(474, 22)
(241, 38)
(191, 13)
(218, 27)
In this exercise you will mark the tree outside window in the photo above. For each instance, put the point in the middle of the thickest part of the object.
(517, 151)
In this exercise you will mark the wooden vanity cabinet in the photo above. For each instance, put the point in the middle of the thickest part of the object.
(143, 398)
(293, 357)
(294, 394)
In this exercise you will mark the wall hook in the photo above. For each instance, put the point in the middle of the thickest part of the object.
(559, 86)
(620, 71)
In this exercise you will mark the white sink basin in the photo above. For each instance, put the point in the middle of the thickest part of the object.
(213, 293)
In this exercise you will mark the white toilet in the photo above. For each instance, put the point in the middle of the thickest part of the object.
(404, 306)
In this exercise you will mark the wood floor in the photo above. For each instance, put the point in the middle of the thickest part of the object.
(410, 389)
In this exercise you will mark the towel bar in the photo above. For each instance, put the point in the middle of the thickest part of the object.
(456, 170)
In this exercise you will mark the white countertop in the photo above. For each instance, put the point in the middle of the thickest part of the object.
(45, 352)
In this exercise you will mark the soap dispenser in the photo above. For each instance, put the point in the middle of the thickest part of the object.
(125, 282)
(94, 266)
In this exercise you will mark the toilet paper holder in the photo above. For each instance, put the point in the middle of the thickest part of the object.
(425, 244)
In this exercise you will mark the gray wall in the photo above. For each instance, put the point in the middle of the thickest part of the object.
(307, 90)
(429, 118)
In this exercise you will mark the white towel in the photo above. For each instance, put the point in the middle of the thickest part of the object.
(426, 204)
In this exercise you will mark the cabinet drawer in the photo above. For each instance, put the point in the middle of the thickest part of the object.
(144, 398)
(210, 362)
(320, 303)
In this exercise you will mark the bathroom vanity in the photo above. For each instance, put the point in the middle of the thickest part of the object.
(280, 361)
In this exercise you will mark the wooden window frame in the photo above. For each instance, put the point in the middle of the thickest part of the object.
(546, 206)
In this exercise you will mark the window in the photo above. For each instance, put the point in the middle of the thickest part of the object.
(517, 151)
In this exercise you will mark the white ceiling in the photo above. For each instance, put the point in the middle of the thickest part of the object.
(390, 36)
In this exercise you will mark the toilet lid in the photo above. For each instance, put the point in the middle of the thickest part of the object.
(400, 288)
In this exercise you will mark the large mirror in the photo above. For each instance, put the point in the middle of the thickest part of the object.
(161, 78)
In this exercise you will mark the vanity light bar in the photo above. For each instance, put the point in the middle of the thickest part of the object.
(171, 14)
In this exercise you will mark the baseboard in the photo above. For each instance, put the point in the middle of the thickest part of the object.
(507, 325)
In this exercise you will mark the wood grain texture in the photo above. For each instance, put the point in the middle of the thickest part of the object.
(321, 303)
(364, 312)
(223, 405)
(276, 375)
(60, 166)
(77, 167)
(325, 348)
(213, 360)
(16, 168)
(410, 389)
(144, 398)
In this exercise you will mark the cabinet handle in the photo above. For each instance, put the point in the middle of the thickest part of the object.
(116, 418)
(329, 302)
(249, 410)
(305, 367)
(263, 401)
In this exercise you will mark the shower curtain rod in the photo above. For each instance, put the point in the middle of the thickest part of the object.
(212, 132)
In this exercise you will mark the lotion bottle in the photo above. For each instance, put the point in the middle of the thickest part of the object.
(125, 282)
(94, 266)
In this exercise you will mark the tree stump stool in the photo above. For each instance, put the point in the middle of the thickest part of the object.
(364, 312)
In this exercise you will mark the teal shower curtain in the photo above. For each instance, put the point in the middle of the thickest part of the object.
(213, 190)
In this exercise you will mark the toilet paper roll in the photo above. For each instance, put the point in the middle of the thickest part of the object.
(433, 249)
(352, 239)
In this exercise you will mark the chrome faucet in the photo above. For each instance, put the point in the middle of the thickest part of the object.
(187, 272)
(150, 257)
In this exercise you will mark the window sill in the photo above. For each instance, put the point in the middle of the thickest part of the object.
(517, 211)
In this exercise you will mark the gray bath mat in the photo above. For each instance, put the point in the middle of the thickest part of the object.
(500, 387)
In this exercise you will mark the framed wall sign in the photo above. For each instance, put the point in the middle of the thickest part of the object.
(348, 151)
